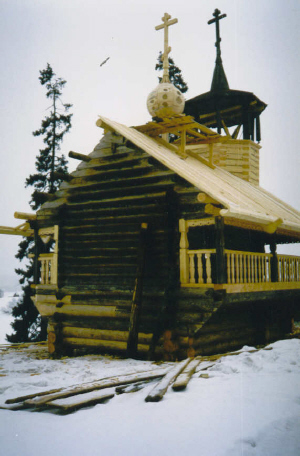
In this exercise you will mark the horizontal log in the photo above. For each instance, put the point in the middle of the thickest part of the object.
(111, 345)
(24, 216)
(88, 333)
(205, 199)
(49, 308)
(78, 156)
(62, 176)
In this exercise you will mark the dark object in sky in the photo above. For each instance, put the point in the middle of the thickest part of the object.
(104, 61)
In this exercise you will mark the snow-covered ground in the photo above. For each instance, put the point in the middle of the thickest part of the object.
(248, 405)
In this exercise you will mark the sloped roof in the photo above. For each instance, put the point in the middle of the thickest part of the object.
(241, 200)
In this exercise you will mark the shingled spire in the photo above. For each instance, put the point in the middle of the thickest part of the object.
(219, 81)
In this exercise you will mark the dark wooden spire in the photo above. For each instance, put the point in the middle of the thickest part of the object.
(219, 81)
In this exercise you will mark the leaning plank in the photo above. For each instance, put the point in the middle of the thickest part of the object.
(97, 385)
(71, 404)
(185, 376)
(157, 393)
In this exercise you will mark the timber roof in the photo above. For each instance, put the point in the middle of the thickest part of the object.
(240, 199)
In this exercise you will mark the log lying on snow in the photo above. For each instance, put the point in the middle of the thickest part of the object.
(185, 376)
(69, 405)
(157, 393)
(96, 385)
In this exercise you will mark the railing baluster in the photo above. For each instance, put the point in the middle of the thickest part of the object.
(232, 267)
(200, 268)
(208, 268)
(228, 268)
(192, 268)
(237, 269)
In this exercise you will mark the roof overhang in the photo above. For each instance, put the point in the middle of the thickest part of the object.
(239, 199)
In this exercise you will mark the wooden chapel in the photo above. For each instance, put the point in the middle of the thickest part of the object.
(160, 247)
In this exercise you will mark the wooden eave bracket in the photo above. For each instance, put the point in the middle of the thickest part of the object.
(272, 227)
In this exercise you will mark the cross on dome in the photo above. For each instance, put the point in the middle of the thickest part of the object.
(167, 49)
(218, 16)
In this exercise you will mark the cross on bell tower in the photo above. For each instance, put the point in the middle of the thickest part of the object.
(167, 49)
(219, 82)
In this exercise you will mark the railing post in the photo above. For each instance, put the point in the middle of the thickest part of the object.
(274, 261)
(220, 254)
(184, 258)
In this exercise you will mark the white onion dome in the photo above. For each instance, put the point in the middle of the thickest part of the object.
(165, 100)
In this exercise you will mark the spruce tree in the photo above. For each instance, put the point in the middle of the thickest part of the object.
(174, 73)
(28, 325)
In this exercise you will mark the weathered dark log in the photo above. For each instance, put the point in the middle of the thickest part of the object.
(62, 176)
(66, 406)
(96, 385)
(159, 390)
(137, 295)
(185, 376)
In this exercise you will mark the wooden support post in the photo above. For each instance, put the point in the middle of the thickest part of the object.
(274, 262)
(184, 258)
(132, 342)
(220, 254)
(37, 251)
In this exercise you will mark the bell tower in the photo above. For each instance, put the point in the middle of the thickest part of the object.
(222, 107)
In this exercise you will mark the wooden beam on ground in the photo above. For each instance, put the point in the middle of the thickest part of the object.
(78, 156)
(159, 390)
(185, 376)
(69, 405)
(97, 385)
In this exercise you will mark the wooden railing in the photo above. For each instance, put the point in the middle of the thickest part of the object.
(248, 267)
(288, 268)
(48, 268)
(200, 265)
(49, 261)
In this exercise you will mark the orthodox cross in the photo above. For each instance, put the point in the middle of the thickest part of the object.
(217, 19)
(167, 49)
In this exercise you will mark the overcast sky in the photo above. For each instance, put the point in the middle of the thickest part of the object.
(260, 51)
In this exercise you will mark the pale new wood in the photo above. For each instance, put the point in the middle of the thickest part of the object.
(183, 379)
(159, 390)
(251, 203)
(24, 216)
(21, 230)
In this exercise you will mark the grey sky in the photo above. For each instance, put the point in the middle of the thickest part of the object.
(260, 52)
